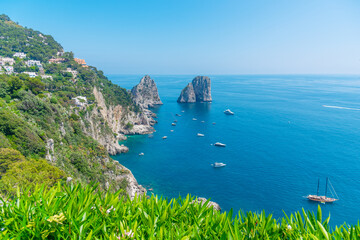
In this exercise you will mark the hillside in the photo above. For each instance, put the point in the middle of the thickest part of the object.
(55, 107)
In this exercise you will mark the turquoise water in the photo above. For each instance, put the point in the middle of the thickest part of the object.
(280, 140)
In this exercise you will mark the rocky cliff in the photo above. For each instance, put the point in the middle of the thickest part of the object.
(145, 94)
(199, 90)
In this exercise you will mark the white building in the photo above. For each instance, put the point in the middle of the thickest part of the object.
(20, 55)
(9, 69)
(6, 61)
(80, 101)
(46, 77)
(73, 72)
(31, 74)
(31, 63)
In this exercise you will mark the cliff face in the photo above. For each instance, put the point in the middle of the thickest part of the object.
(199, 90)
(145, 94)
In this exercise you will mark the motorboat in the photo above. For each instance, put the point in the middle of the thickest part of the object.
(164, 137)
(173, 124)
(194, 119)
(178, 115)
(200, 135)
(218, 144)
(141, 154)
(217, 165)
(228, 112)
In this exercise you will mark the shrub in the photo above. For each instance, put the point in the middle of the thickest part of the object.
(7, 157)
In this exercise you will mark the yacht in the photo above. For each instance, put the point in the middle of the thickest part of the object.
(218, 144)
(200, 135)
(228, 112)
(173, 124)
(194, 119)
(141, 154)
(164, 137)
(218, 165)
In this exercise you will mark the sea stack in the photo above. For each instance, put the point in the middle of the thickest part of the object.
(199, 90)
(145, 94)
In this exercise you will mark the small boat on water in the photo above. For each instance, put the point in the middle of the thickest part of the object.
(173, 124)
(141, 154)
(194, 119)
(214, 123)
(175, 121)
(200, 135)
(218, 165)
(182, 111)
(219, 144)
(171, 130)
(324, 199)
(178, 115)
(202, 121)
(228, 112)
(164, 137)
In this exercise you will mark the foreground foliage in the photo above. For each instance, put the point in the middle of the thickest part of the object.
(76, 212)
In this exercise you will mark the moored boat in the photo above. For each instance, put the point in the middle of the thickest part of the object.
(218, 165)
(173, 124)
(324, 199)
(228, 112)
(164, 137)
(219, 144)
(200, 135)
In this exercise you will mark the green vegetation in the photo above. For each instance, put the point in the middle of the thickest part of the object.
(76, 212)
(38, 111)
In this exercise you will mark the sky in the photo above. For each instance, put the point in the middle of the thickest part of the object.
(201, 36)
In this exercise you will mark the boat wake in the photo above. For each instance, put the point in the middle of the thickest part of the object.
(338, 107)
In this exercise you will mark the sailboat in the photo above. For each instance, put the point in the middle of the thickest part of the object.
(324, 199)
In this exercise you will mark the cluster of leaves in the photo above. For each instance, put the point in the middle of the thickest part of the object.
(76, 212)
(15, 38)
(17, 171)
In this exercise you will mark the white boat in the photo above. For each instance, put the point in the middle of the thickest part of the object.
(218, 165)
(182, 111)
(171, 130)
(164, 137)
(194, 119)
(202, 121)
(200, 135)
(141, 154)
(173, 124)
(218, 144)
(228, 112)
(178, 115)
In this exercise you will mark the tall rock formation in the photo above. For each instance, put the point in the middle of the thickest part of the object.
(145, 94)
(199, 90)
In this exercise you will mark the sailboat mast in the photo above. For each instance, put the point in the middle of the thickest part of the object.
(318, 187)
(326, 186)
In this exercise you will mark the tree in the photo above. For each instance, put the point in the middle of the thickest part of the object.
(7, 157)
(28, 174)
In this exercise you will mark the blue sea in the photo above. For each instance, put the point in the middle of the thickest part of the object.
(287, 132)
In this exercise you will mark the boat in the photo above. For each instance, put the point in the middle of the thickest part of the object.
(164, 137)
(324, 199)
(171, 130)
(173, 124)
(214, 123)
(202, 121)
(182, 111)
(228, 112)
(218, 144)
(218, 165)
(200, 135)
(178, 115)
(194, 119)
(175, 121)
(141, 154)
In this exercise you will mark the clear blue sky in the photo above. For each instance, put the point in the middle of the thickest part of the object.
(201, 36)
